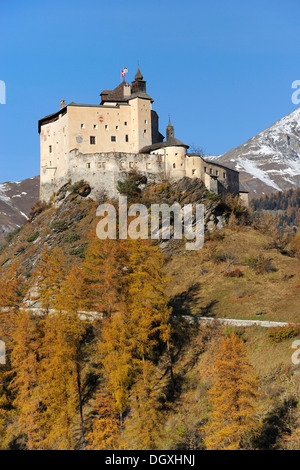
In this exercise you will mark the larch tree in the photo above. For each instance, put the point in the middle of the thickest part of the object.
(62, 363)
(102, 274)
(26, 343)
(233, 398)
(106, 426)
(5, 409)
(145, 297)
(13, 288)
(49, 274)
(72, 302)
(58, 385)
(132, 334)
(144, 426)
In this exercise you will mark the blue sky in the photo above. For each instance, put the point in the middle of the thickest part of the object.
(222, 69)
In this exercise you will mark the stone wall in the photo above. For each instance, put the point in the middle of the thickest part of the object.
(103, 171)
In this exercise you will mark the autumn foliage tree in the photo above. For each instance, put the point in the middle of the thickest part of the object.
(106, 427)
(26, 343)
(233, 398)
(144, 427)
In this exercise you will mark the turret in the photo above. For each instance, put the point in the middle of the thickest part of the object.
(139, 83)
(169, 130)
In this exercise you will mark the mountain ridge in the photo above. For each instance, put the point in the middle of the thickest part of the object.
(269, 161)
(16, 201)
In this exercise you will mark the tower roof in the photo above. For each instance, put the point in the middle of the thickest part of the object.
(172, 142)
(170, 130)
(138, 75)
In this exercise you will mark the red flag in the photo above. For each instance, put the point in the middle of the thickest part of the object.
(122, 73)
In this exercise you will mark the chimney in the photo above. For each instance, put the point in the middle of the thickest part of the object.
(126, 90)
(62, 104)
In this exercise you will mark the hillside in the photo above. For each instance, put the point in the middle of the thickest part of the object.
(241, 272)
(285, 205)
(269, 161)
(16, 201)
(197, 279)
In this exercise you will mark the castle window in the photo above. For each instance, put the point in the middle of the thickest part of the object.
(113, 138)
(145, 131)
(82, 126)
(224, 175)
(106, 127)
(193, 172)
(211, 171)
(122, 165)
(95, 126)
(205, 169)
(130, 164)
(117, 128)
(174, 166)
(126, 138)
(92, 140)
(101, 165)
(88, 165)
(146, 121)
(217, 173)
(125, 123)
(50, 148)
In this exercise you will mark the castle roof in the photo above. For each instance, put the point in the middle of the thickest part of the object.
(212, 162)
(140, 94)
(116, 95)
(54, 116)
(171, 142)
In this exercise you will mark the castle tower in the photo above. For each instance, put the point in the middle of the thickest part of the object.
(139, 84)
(169, 130)
(141, 113)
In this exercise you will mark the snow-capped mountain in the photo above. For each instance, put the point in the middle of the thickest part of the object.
(16, 200)
(270, 161)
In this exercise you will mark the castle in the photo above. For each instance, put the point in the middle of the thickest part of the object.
(102, 143)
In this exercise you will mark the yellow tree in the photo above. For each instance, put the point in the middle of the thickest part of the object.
(49, 275)
(58, 387)
(105, 433)
(5, 407)
(102, 273)
(233, 398)
(146, 301)
(26, 344)
(131, 334)
(115, 348)
(61, 365)
(13, 288)
(72, 302)
(144, 427)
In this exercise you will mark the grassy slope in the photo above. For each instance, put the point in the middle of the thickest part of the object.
(200, 285)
